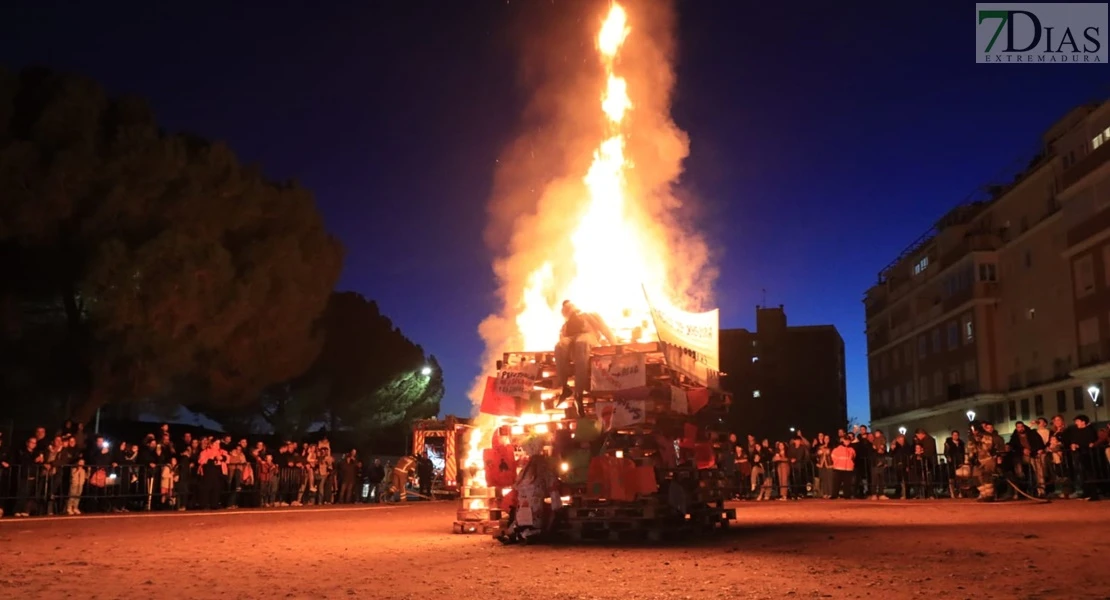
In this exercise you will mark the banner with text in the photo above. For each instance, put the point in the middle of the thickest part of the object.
(517, 380)
(691, 340)
(617, 372)
(621, 414)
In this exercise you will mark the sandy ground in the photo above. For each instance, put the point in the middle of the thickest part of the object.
(809, 549)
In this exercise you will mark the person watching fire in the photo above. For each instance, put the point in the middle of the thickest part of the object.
(580, 333)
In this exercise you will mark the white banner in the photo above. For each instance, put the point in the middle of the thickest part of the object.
(691, 341)
(679, 403)
(685, 362)
(517, 380)
(621, 414)
(617, 372)
(697, 332)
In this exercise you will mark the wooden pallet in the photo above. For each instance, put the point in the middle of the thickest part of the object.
(608, 512)
(479, 527)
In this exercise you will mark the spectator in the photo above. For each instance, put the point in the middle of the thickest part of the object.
(844, 467)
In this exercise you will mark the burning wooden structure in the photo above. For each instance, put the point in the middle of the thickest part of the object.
(650, 421)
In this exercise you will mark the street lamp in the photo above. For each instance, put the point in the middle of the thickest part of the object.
(1093, 391)
(791, 430)
(902, 430)
(426, 371)
(970, 415)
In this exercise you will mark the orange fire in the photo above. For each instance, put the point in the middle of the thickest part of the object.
(608, 232)
(620, 237)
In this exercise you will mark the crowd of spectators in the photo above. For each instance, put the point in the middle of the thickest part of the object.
(72, 471)
(1042, 460)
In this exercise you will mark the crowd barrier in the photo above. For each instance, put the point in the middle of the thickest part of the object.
(66, 490)
(1069, 474)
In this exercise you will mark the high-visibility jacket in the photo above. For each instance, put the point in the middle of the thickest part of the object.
(844, 458)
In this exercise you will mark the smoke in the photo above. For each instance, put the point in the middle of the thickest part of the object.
(539, 192)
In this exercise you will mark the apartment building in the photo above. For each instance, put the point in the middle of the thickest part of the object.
(784, 378)
(1002, 310)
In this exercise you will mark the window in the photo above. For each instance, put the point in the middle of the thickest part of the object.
(1032, 314)
(886, 398)
(898, 396)
(1101, 138)
(755, 393)
(921, 265)
(969, 330)
(1038, 405)
(1077, 395)
(909, 354)
(1013, 410)
(923, 393)
(909, 394)
(1028, 259)
(936, 339)
(922, 346)
(938, 384)
(896, 358)
(1084, 276)
(1061, 401)
(971, 373)
(953, 335)
(1025, 409)
(987, 272)
(1088, 332)
(1106, 265)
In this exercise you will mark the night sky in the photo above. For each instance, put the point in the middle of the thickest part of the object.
(824, 139)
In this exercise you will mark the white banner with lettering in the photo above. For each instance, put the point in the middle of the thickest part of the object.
(691, 340)
(617, 372)
(517, 380)
(621, 414)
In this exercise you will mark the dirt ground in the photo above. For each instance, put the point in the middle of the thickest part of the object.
(808, 549)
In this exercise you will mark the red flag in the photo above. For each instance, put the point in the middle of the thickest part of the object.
(497, 404)
(697, 398)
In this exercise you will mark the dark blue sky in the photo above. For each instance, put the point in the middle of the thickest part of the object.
(824, 138)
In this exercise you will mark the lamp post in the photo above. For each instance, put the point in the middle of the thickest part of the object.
(902, 430)
(1093, 391)
(426, 371)
(970, 415)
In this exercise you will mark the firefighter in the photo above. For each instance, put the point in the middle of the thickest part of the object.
(986, 446)
(400, 477)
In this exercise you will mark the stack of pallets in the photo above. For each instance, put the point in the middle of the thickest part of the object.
(479, 511)
(649, 517)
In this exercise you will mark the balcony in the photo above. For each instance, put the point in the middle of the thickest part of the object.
(874, 307)
(1094, 353)
(1085, 166)
(977, 241)
(1089, 227)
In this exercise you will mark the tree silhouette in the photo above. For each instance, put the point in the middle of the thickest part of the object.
(137, 261)
(368, 375)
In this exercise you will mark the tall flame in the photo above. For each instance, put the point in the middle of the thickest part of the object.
(599, 235)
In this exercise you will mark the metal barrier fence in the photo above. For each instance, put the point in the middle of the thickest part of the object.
(1086, 472)
(39, 490)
